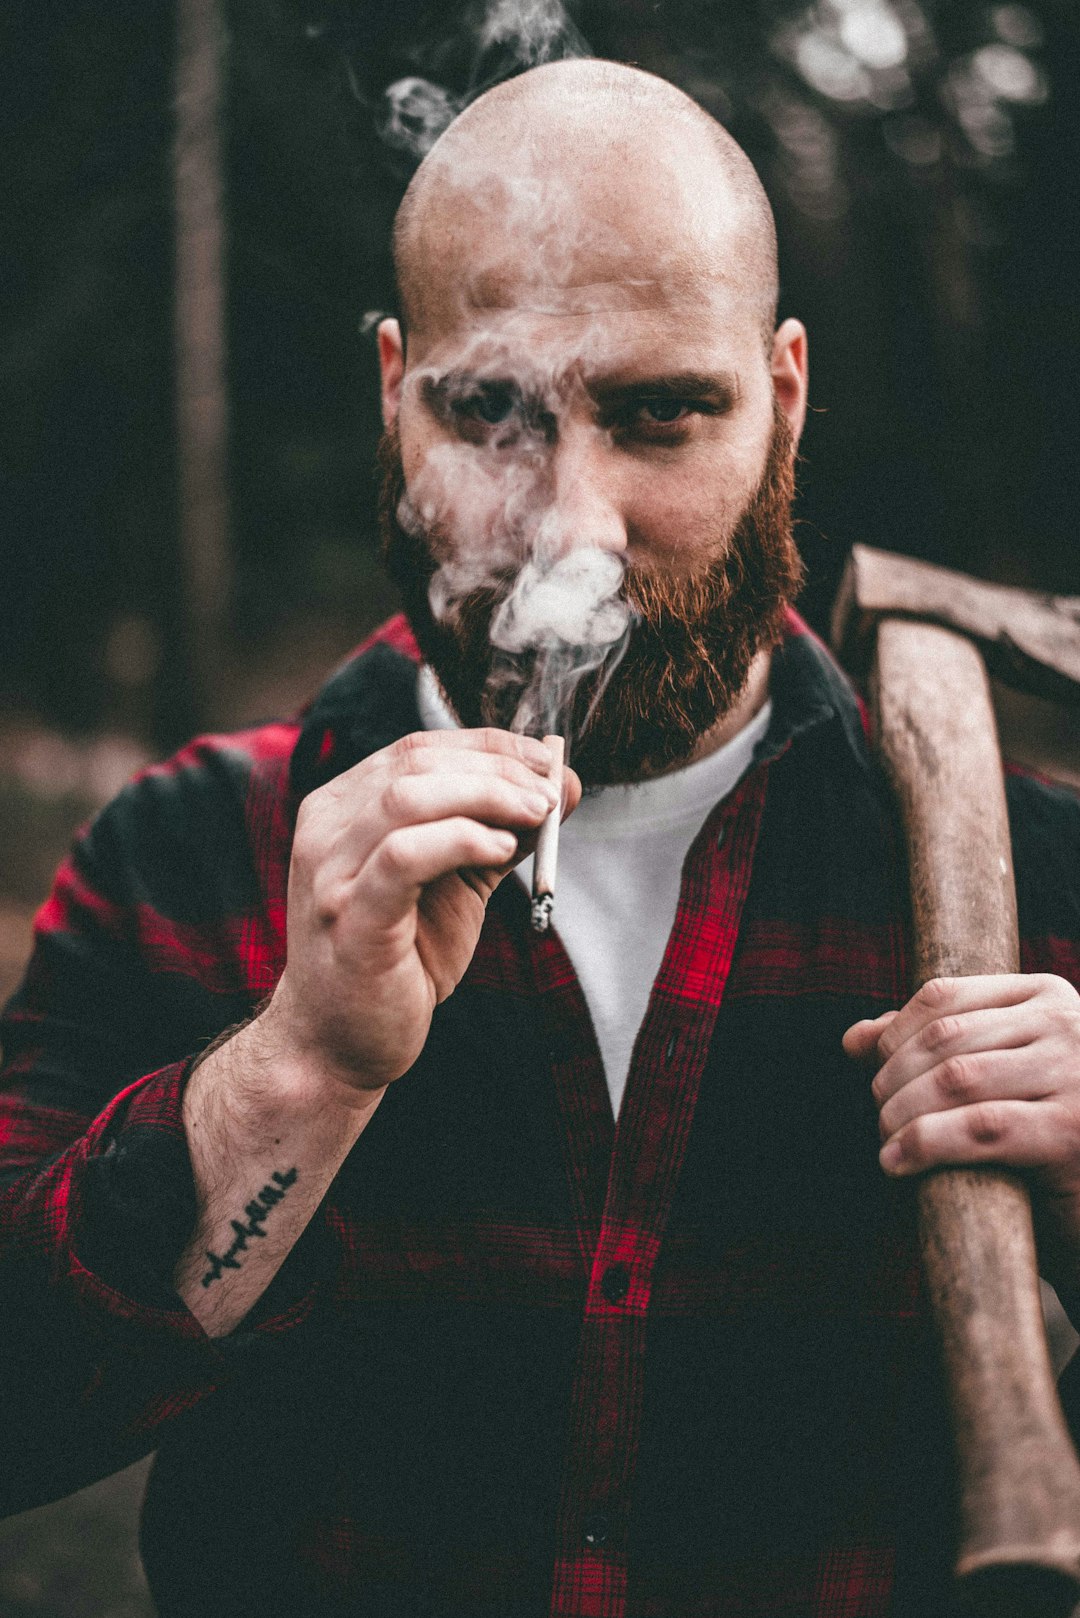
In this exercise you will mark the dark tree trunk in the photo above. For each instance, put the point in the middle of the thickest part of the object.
(202, 492)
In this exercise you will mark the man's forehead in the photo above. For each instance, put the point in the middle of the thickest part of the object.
(692, 321)
(568, 242)
(580, 188)
(595, 285)
(508, 296)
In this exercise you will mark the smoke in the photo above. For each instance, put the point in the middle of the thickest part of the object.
(558, 624)
(560, 615)
(504, 37)
(535, 30)
(414, 115)
(573, 601)
(489, 514)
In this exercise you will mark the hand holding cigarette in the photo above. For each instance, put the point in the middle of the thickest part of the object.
(547, 845)
(392, 866)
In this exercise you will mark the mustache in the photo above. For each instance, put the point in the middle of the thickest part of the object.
(683, 664)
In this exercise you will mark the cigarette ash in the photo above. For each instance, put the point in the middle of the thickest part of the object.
(540, 910)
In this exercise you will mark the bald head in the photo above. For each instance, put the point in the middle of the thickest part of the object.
(581, 175)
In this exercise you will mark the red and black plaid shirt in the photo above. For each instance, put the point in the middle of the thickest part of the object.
(524, 1362)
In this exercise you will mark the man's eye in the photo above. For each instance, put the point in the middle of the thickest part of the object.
(663, 412)
(491, 405)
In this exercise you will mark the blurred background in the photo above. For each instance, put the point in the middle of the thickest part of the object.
(195, 211)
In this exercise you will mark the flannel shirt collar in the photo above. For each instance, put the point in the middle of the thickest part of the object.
(370, 702)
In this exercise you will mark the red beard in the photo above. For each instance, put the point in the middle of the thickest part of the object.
(688, 655)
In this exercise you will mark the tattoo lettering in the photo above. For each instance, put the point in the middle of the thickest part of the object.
(256, 1212)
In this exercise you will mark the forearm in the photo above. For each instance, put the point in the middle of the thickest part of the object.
(265, 1140)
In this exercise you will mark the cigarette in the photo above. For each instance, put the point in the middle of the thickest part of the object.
(547, 845)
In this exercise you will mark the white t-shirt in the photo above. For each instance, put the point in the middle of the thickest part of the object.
(620, 864)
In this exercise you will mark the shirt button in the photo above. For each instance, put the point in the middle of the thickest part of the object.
(615, 1283)
(596, 1529)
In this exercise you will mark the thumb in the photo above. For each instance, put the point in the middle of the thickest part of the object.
(860, 1040)
(571, 791)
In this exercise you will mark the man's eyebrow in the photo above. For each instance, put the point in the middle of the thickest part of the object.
(461, 384)
(719, 387)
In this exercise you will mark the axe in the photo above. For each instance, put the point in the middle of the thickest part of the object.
(926, 637)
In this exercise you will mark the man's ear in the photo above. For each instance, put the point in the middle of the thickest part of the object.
(391, 368)
(790, 373)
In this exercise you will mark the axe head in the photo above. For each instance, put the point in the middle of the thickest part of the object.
(1029, 640)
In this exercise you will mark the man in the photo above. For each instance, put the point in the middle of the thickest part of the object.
(415, 1327)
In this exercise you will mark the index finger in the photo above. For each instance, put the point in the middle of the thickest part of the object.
(420, 749)
(946, 997)
(487, 739)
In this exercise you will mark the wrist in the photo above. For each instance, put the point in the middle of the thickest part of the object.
(259, 1086)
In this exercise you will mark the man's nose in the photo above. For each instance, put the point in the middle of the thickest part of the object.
(584, 508)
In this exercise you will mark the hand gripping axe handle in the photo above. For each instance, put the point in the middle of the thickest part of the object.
(1017, 1471)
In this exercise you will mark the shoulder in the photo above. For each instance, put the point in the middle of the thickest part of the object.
(1044, 816)
(222, 791)
(181, 833)
(368, 703)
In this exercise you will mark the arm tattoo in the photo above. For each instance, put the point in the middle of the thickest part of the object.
(256, 1211)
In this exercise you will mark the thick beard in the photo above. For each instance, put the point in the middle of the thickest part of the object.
(689, 653)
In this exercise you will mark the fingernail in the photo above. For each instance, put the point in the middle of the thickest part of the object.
(539, 803)
(890, 1156)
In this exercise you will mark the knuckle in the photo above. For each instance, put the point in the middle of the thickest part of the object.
(388, 859)
(509, 744)
(396, 852)
(1065, 1019)
(397, 798)
(935, 994)
(406, 747)
(325, 901)
(987, 1124)
(489, 739)
(509, 775)
(888, 1044)
(464, 841)
(941, 1032)
(957, 1079)
(914, 1143)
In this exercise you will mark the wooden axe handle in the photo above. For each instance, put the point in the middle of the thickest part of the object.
(1018, 1476)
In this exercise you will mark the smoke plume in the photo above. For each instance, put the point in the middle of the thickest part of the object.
(505, 37)
(561, 615)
